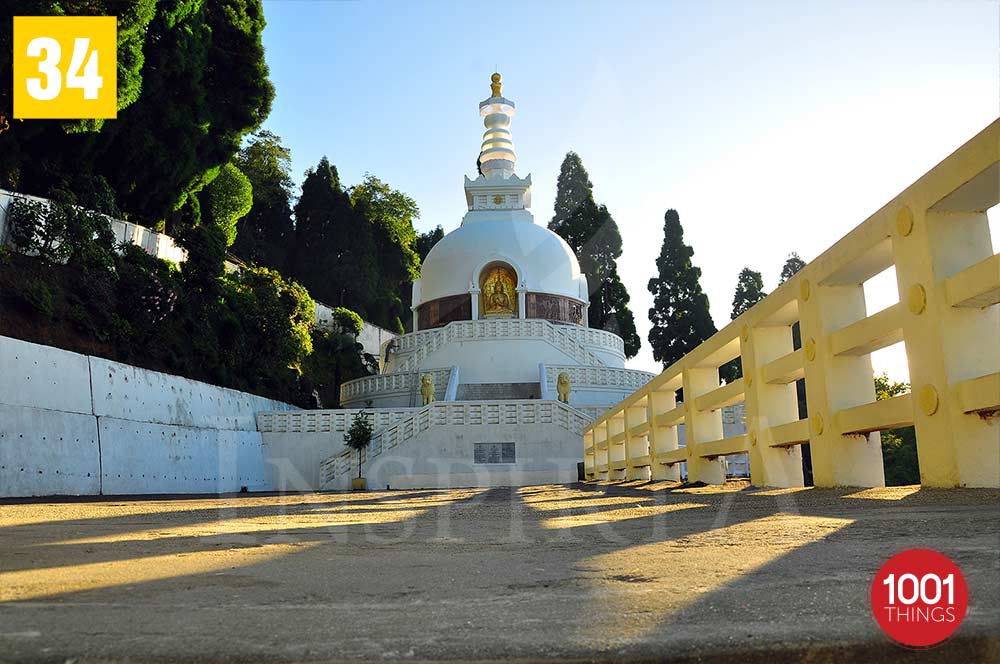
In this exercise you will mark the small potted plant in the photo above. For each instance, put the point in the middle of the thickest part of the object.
(358, 437)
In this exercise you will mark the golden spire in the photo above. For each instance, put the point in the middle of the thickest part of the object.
(495, 85)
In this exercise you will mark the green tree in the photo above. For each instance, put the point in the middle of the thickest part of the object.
(591, 231)
(749, 291)
(899, 446)
(264, 234)
(332, 254)
(230, 197)
(679, 316)
(338, 357)
(792, 265)
(389, 215)
(38, 153)
(194, 81)
(426, 241)
(264, 311)
(359, 436)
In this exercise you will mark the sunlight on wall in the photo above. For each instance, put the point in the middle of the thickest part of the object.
(640, 587)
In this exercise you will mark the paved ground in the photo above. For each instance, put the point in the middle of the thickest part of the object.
(586, 572)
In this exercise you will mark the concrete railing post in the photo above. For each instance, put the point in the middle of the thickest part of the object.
(767, 406)
(702, 426)
(601, 456)
(617, 450)
(661, 438)
(636, 446)
(834, 383)
(947, 344)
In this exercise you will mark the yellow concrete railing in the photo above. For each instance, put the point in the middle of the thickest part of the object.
(936, 235)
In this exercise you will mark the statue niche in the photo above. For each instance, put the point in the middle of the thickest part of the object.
(498, 295)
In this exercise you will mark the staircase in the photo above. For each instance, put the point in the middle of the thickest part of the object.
(521, 412)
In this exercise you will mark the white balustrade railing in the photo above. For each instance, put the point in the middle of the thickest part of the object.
(322, 421)
(597, 377)
(575, 341)
(394, 384)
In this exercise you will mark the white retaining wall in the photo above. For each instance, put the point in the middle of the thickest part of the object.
(72, 424)
(156, 244)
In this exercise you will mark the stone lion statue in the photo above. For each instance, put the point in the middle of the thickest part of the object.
(563, 386)
(427, 388)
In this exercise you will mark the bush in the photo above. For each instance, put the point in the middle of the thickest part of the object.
(35, 229)
(146, 289)
(39, 297)
(266, 322)
(230, 197)
(61, 232)
(346, 321)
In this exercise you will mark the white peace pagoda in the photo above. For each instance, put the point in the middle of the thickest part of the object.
(472, 396)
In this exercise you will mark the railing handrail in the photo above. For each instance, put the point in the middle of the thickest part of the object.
(936, 235)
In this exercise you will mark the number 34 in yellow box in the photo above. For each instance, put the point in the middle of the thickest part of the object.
(65, 67)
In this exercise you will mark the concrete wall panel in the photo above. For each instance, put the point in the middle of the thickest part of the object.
(43, 377)
(47, 453)
(145, 457)
(130, 393)
(294, 459)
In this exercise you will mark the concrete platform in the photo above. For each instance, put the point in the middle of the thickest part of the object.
(565, 572)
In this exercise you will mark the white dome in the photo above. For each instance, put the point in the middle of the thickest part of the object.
(543, 261)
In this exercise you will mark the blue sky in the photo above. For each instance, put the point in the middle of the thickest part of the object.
(770, 126)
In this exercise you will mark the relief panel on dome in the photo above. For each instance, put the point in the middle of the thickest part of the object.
(498, 294)
(554, 308)
(442, 311)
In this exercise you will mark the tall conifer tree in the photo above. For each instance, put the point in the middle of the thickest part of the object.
(264, 234)
(592, 233)
(331, 255)
(679, 315)
(792, 265)
(749, 291)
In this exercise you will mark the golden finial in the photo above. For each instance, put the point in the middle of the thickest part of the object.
(495, 85)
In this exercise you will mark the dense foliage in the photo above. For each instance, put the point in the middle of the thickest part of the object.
(192, 80)
(249, 329)
(899, 446)
(426, 241)
(592, 233)
(265, 233)
(337, 357)
(355, 248)
(230, 197)
(749, 291)
(792, 265)
(680, 317)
